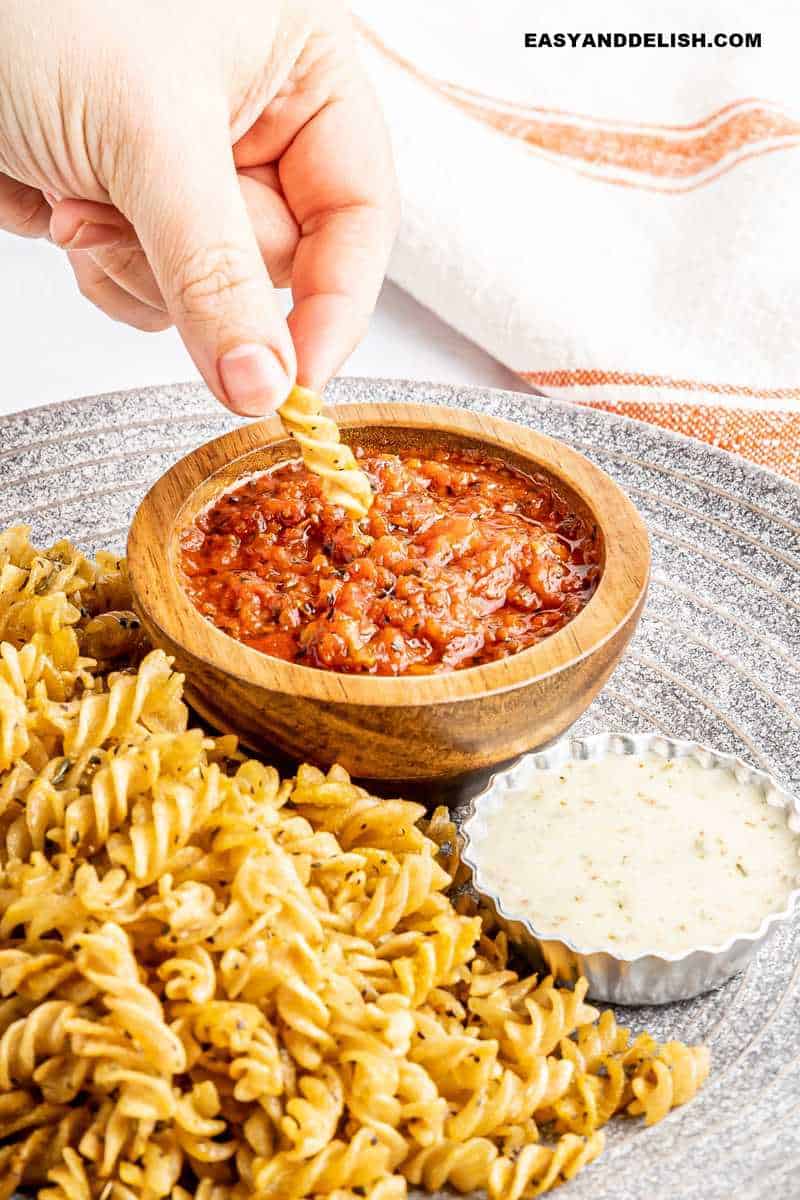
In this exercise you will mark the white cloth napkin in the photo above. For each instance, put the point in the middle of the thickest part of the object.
(619, 226)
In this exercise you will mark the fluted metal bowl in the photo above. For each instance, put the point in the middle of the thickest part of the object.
(650, 977)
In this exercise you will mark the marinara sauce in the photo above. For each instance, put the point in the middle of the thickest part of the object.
(461, 560)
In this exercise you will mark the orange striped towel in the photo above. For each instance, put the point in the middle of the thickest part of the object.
(619, 226)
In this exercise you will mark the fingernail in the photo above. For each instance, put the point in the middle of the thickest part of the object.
(255, 381)
(51, 197)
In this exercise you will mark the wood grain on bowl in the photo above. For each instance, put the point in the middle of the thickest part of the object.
(428, 727)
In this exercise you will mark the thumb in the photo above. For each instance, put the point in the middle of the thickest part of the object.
(186, 206)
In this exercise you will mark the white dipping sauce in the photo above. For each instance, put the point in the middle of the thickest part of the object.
(638, 853)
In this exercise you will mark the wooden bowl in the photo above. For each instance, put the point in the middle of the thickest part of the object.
(408, 728)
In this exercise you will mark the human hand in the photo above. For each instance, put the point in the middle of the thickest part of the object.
(190, 155)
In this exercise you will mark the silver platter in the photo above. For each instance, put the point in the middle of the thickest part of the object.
(716, 659)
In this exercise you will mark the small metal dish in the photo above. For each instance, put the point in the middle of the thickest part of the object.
(648, 978)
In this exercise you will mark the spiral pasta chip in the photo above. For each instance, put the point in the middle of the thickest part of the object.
(218, 985)
(343, 482)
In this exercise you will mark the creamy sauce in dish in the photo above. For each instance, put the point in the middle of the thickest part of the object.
(638, 853)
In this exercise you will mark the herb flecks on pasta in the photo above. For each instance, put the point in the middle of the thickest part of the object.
(343, 482)
(218, 985)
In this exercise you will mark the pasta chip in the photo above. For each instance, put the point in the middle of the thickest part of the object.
(218, 985)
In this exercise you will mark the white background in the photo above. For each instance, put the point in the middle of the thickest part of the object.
(55, 345)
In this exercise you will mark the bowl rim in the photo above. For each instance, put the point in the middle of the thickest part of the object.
(576, 748)
(163, 603)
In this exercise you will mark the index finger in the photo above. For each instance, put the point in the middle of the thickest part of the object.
(338, 178)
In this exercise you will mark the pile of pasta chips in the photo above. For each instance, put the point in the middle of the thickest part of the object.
(218, 984)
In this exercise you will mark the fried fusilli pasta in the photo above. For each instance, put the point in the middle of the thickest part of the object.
(343, 482)
(217, 985)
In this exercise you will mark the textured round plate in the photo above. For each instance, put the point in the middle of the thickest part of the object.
(716, 659)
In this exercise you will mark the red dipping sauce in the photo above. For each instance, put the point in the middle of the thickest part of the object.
(461, 560)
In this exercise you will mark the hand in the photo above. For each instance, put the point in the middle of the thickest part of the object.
(191, 154)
